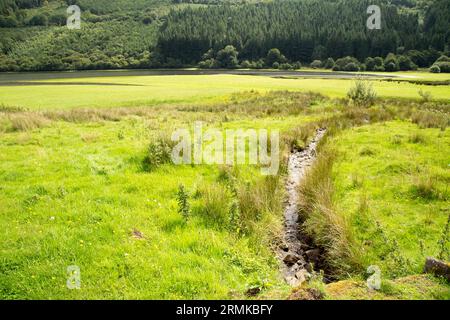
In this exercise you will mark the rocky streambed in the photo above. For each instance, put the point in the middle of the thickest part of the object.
(296, 251)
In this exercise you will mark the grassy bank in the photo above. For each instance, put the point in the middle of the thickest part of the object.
(378, 196)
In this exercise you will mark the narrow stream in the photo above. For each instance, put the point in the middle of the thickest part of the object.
(295, 253)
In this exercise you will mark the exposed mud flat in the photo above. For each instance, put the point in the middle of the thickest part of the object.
(296, 252)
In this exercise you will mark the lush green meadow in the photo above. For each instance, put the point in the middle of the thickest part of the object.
(153, 90)
(76, 187)
(394, 174)
(78, 192)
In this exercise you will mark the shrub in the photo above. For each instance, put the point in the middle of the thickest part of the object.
(259, 64)
(274, 55)
(378, 68)
(391, 63)
(443, 66)
(297, 65)
(58, 19)
(351, 67)
(405, 63)
(370, 64)
(39, 20)
(379, 62)
(391, 67)
(443, 58)
(342, 62)
(316, 64)
(246, 64)
(435, 69)
(362, 93)
(227, 57)
(207, 64)
(275, 65)
(329, 63)
(285, 66)
(398, 264)
(8, 22)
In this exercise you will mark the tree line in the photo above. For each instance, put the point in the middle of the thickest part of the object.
(302, 30)
(248, 34)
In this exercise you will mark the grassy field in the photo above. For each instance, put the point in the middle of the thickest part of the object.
(394, 174)
(156, 90)
(78, 193)
(76, 188)
(391, 182)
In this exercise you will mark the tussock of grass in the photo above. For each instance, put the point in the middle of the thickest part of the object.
(11, 109)
(366, 152)
(328, 228)
(216, 201)
(299, 137)
(396, 139)
(431, 119)
(258, 200)
(425, 187)
(417, 137)
(26, 121)
(159, 152)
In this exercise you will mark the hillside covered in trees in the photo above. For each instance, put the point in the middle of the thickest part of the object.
(224, 34)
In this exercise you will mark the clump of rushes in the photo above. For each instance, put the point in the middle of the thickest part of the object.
(431, 119)
(328, 228)
(362, 93)
(183, 203)
(425, 95)
(159, 153)
(216, 201)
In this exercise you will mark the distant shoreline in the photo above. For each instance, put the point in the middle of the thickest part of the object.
(21, 76)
